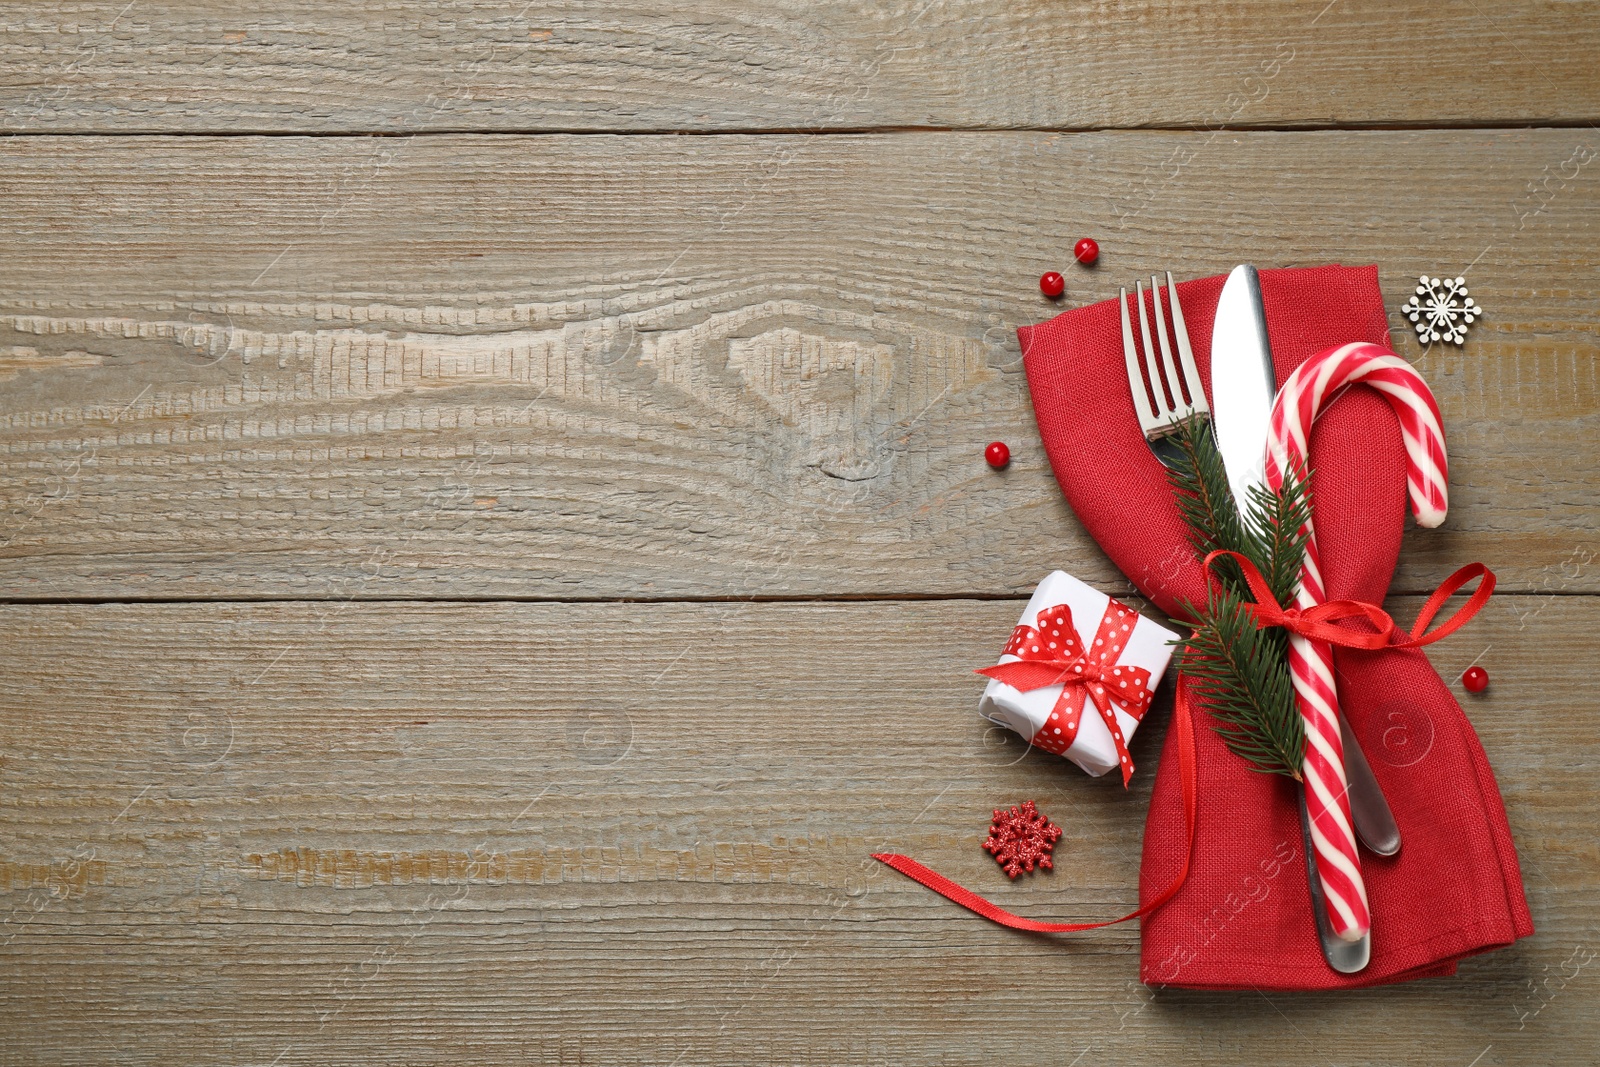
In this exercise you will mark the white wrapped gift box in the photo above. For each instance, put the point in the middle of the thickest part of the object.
(1149, 646)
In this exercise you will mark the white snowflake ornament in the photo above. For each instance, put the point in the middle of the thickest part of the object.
(1441, 310)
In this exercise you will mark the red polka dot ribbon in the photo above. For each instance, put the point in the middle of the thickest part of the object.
(1052, 653)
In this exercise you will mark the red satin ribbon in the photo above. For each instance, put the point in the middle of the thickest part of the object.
(1316, 623)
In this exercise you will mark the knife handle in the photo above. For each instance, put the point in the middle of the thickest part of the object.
(1346, 957)
(1369, 809)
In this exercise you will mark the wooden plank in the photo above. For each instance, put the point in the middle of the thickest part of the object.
(732, 366)
(638, 833)
(406, 67)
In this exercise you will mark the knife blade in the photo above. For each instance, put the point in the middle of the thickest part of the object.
(1242, 382)
(1243, 385)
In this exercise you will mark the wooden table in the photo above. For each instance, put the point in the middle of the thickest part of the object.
(495, 527)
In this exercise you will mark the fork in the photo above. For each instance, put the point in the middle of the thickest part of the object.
(1175, 396)
(1175, 387)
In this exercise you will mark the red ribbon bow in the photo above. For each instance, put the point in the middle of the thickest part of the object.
(1052, 654)
(1318, 623)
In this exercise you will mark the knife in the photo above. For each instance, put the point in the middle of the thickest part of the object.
(1242, 388)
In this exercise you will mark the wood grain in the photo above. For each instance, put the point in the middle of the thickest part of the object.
(570, 367)
(486, 356)
(401, 833)
(406, 67)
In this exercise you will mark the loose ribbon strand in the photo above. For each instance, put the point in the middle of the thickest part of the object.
(1183, 723)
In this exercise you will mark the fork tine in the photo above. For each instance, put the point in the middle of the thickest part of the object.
(1191, 373)
(1158, 389)
(1141, 398)
(1180, 408)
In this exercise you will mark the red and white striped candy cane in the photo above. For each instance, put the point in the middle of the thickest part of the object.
(1303, 396)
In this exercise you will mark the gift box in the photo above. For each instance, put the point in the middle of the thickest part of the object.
(1078, 674)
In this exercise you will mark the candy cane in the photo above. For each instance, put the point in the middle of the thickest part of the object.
(1303, 396)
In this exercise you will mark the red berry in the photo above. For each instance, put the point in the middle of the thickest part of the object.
(1052, 284)
(1086, 251)
(1476, 679)
(997, 454)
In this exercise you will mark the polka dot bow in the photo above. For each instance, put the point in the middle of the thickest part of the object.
(1052, 653)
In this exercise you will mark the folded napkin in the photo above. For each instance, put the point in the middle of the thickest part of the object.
(1243, 918)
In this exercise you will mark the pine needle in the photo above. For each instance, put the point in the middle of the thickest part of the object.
(1280, 524)
(1242, 675)
(1242, 672)
(1200, 481)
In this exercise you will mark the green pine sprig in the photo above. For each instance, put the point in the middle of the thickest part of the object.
(1280, 526)
(1205, 501)
(1242, 675)
(1242, 672)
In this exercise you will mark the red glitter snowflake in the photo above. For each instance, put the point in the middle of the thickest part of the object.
(1021, 838)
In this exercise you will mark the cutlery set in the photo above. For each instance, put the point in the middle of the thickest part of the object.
(1243, 386)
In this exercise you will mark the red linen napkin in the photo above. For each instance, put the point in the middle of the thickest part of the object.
(1243, 918)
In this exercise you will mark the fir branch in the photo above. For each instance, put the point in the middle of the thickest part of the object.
(1242, 675)
(1280, 525)
(1199, 481)
(1240, 671)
